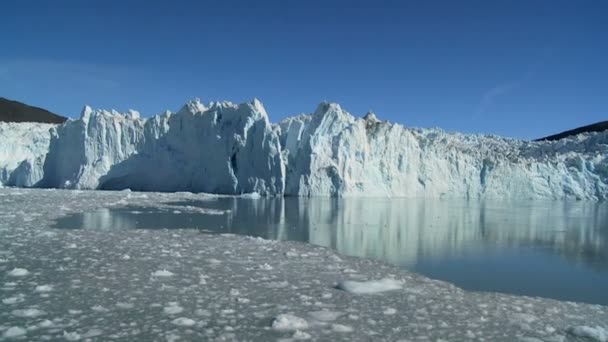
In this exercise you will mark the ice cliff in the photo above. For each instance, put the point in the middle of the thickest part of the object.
(332, 153)
(223, 148)
(232, 149)
(23, 148)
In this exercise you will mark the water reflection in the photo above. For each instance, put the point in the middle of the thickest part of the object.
(497, 246)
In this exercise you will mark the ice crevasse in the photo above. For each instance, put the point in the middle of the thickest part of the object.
(227, 148)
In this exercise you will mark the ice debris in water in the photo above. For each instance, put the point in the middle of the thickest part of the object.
(242, 299)
(287, 322)
(44, 288)
(370, 286)
(14, 300)
(162, 273)
(325, 315)
(173, 309)
(28, 313)
(184, 322)
(71, 336)
(18, 272)
(341, 328)
(598, 333)
(13, 332)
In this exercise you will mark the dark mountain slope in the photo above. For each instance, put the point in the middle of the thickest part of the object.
(13, 111)
(596, 127)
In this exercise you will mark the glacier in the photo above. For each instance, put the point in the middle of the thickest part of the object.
(23, 150)
(227, 148)
(223, 148)
(333, 153)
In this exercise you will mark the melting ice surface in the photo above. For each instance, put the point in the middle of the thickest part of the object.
(538, 248)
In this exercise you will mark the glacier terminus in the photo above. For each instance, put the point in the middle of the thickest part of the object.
(226, 148)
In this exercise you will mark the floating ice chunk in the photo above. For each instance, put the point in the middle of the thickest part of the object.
(14, 300)
(341, 328)
(162, 273)
(287, 322)
(121, 305)
(252, 195)
(173, 309)
(184, 322)
(28, 313)
(531, 339)
(99, 308)
(370, 286)
(93, 333)
(46, 324)
(301, 335)
(266, 267)
(325, 315)
(18, 272)
(71, 336)
(44, 288)
(202, 312)
(13, 332)
(390, 311)
(598, 333)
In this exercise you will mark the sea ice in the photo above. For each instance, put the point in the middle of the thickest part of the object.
(44, 288)
(162, 273)
(14, 332)
(18, 272)
(370, 286)
(597, 333)
(287, 322)
(184, 322)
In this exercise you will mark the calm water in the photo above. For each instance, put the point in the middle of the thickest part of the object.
(549, 249)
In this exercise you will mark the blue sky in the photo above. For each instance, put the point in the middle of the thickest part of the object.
(514, 68)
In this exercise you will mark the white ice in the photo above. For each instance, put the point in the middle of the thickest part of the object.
(225, 148)
(599, 334)
(370, 286)
(288, 322)
(18, 272)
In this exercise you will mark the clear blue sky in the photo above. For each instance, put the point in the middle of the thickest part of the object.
(517, 68)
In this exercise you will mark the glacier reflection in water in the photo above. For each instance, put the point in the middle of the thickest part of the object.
(550, 249)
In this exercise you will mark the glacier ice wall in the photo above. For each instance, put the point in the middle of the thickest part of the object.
(226, 149)
(232, 149)
(23, 149)
(332, 153)
(84, 150)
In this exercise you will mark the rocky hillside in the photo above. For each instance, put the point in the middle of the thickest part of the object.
(596, 127)
(13, 111)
